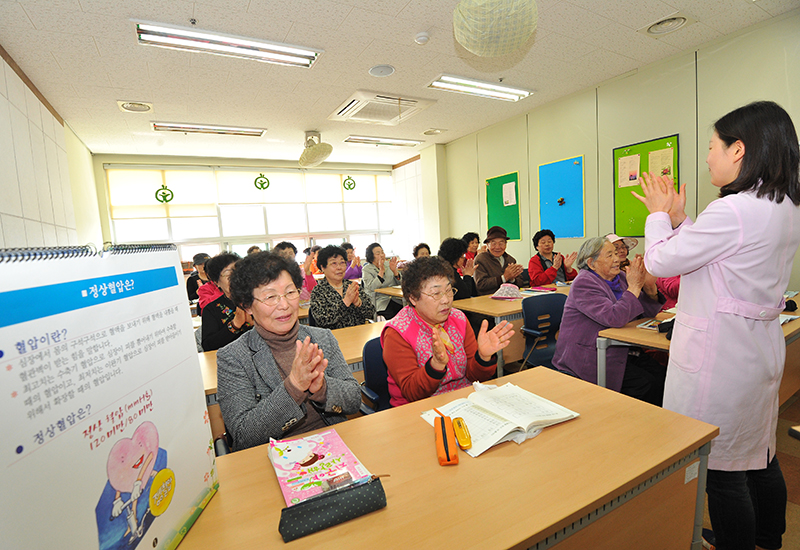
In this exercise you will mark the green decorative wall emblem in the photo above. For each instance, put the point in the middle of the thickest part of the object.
(261, 182)
(349, 183)
(164, 194)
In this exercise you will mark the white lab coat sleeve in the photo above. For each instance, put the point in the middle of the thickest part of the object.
(716, 235)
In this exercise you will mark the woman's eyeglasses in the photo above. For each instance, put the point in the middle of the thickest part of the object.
(449, 293)
(273, 299)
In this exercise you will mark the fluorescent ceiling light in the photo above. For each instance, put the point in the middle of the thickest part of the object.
(478, 88)
(164, 36)
(382, 141)
(206, 129)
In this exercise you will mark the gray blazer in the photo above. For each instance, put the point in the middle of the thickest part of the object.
(369, 277)
(254, 402)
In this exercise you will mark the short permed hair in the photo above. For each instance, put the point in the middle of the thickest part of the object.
(419, 247)
(452, 249)
(538, 237)
(216, 265)
(469, 237)
(284, 245)
(420, 270)
(330, 251)
(347, 246)
(369, 254)
(260, 269)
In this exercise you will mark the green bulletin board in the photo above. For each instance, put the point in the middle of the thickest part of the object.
(629, 163)
(503, 209)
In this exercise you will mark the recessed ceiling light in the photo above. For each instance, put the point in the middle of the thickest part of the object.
(667, 25)
(134, 106)
(392, 142)
(206, 129)
(422, 38)
(179, 38)
(478, 88)
(433, 132)
(381, 70)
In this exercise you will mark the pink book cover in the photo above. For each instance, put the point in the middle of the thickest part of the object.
(313, 464)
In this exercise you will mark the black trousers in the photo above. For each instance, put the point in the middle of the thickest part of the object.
(644, 378)
(747, 508)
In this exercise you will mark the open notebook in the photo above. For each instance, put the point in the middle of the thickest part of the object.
(502, 414)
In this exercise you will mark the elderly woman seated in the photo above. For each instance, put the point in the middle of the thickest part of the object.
(223, 322)
(429, 347)
(622, 246)
(602, 297)
(380, 273)
(548, 267)
(336, 302)
(282, 378)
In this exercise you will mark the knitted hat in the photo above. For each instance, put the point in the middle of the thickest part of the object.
(495, 232)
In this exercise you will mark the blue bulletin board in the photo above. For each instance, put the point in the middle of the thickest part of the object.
(561, 197)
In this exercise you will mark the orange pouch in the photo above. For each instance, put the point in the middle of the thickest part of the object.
(446, 446)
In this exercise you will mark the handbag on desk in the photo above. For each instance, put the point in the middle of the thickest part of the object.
(331, 509)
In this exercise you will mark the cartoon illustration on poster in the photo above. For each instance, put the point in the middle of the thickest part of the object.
(139, 488)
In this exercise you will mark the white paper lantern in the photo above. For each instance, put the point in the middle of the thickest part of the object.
(491, 28)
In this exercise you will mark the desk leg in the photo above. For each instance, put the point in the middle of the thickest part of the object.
(602, 346)
(500, 362)
(697, 536)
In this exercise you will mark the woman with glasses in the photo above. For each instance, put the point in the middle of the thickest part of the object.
(223, 322)
(429, 347)
(282, 378)
(335, 302)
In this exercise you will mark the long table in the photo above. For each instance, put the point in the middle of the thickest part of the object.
(622, 473)
(503, 310)
(631, 335)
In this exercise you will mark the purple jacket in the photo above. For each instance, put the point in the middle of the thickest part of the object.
(353, 272)
(591, 307)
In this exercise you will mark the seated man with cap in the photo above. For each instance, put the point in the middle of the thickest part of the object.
(494, 267)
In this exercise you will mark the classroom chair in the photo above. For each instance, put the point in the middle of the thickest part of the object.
(542, 319)
(375, 386)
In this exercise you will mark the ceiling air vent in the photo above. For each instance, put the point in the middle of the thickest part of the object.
(375, 108)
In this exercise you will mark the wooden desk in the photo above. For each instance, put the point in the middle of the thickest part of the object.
(610, 479)
(352, 339)
(393, 291)
(503, 310)
(630, 335)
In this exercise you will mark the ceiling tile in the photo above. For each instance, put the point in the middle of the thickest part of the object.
(633, 14)
(310, 12)
(385, 7)
(724, 16)
(625, 41)
(569, 20)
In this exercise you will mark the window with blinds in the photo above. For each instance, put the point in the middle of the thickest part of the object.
(213, 209)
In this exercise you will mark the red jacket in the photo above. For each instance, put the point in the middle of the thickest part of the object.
(541, 276)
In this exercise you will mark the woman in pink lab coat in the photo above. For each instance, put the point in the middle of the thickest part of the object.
(727, 352)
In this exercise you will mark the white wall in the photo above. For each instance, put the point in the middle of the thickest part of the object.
(684, 94)
(36, 206)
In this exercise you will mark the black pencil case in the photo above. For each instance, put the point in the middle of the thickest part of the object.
(331, 509)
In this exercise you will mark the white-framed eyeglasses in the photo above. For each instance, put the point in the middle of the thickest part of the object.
(438, 295)
(273, 299)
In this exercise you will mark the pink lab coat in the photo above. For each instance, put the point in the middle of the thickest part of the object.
(727, 351)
